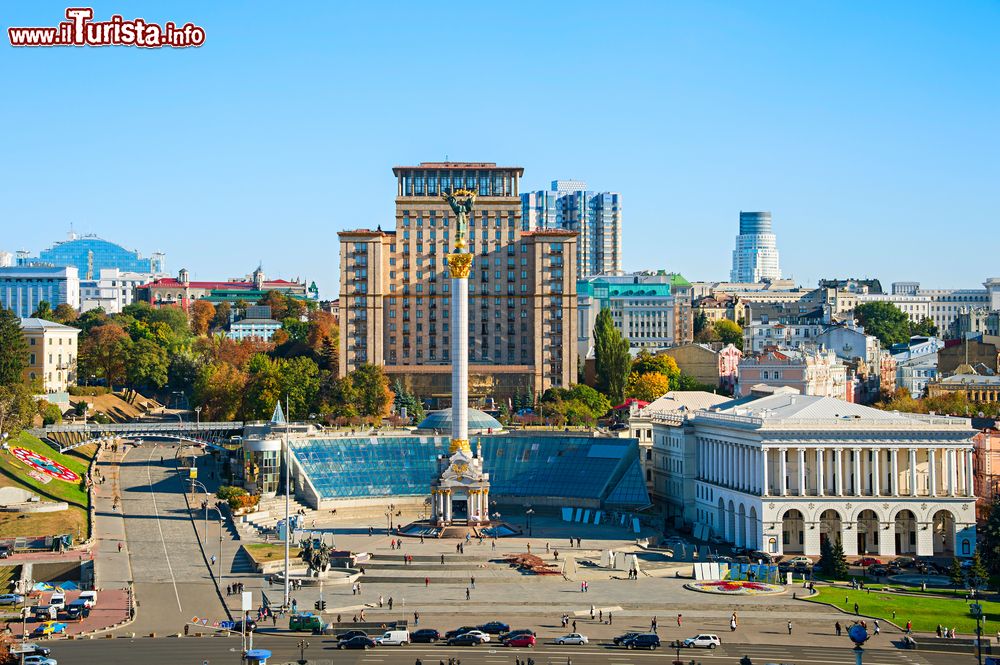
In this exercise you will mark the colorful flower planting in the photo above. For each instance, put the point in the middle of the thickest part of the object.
(735, 587)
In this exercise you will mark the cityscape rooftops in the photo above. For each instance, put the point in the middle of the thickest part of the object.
(457, 166)
(32, 323)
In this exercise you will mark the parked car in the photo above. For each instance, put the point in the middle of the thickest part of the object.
(11, 599)
(764, 557)
(44, 612)
(49, 628)
(706, 640)
(519, 631)
(494, 627)
(76, 612)
(878, 571)
(621, 638)
(29, 649)
(523, 640)
(572, 638)
(460, 631)
(357, 642)
(465, 640)
(866, 561)
(39, 660)
(393, 638)
(643, 641)
(425, 636)
(904, 561)
(5, 551)
(351, 634)
(795, 560)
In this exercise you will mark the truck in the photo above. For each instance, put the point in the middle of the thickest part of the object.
(29, 649)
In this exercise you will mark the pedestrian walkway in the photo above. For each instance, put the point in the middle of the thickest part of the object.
(112, 565)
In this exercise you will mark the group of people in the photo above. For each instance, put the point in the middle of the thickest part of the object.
(233, 589)
(942, 631)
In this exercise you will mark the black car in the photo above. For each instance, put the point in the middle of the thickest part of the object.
(622, 638)
(75, 612)
(460, 631)
(350, 634)
(878, 571)
(251, 626)
(425, 635)
(644, 641)
(494, 627)
(466, 640)
(520, 631)
(5, 551)
(357, 642)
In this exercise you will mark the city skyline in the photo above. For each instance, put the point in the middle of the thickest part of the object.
(843, 120)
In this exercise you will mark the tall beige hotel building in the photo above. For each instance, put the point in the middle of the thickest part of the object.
(395, 300)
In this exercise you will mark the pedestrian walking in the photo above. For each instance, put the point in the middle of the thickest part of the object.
(856, 608)
(119, 547)
(381, 600)
(789, 627)
(472, 581)
(416, 618)
(592, 608)
(213, 559)
(878, 628)
(427, 582)
(600, 615)
(732, 625)
(467, 594)
(837, 628)
(609, 618)
(678, 620)
(909, 627)
(390, 602)
(652, 625)
(574, 625)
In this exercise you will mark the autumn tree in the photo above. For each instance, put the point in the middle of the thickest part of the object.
(322, 329)
(611, 356)
(147, 364)
(17, 408)
(202, 314)
(218, 389)
(373, 394)
(104, 352)
(646, 363)
(13, 349)
(223, 312)
(44, 311)
(647, 387)
(65, 314)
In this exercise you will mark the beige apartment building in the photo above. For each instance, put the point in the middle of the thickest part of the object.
(394, 289)
(52, 354)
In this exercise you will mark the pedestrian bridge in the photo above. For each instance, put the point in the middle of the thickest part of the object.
(67, 437)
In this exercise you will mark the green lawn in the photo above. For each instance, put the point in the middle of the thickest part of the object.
(13, 473)
(926, 612)
(264, 552)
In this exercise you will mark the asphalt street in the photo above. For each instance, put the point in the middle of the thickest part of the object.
(218, 651)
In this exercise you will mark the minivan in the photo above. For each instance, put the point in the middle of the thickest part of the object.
(90, 597)
(58, 600)
(394, 638)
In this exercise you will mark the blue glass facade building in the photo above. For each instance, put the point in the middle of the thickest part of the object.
(90, 254)
(22, 288)
(567, 470)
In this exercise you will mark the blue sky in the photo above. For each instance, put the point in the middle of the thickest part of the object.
(868, 129)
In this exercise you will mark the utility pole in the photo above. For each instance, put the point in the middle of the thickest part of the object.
(288, 524)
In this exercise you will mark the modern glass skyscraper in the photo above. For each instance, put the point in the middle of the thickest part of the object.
(90, 254)
(755, 258)
(595, 216)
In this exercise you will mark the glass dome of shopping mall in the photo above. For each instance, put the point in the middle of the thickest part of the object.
(479, 422)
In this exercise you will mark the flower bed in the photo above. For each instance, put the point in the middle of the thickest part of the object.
(735, 588)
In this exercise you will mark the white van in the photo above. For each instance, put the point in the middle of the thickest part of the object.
(392, 638)
(58, 600)
(89, 597)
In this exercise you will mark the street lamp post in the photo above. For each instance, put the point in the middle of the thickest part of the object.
(303, 645)
(529, 512)
(197, 415)
(221, 526)
(204, 504)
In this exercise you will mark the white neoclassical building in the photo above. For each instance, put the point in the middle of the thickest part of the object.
(784, 472)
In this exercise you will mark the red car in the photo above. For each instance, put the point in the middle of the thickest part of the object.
(868, 561)
(521, 641)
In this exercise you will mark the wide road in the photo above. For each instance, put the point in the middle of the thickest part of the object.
(172, 578)
(195, 651)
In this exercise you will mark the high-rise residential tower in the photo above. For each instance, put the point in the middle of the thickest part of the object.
(595, 216)
(396, 299)
(755, 258)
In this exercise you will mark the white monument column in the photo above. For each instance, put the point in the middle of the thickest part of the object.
(802, 472)
(838, 478)
(820, 478)
(857, 472)
(970, 473)
(895, 471)
(950, 456)
(784, 470)
(876, 485)
(459, 265)
(765, 489)
(913, 471)
(932, 465)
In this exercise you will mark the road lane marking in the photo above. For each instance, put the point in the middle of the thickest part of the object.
(159, 526)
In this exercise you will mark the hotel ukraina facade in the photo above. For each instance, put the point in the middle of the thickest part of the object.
(784, 472)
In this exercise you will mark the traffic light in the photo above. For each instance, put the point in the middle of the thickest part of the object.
(322, 605)
(316, 605)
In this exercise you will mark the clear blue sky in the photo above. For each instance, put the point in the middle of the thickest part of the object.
(870, 130)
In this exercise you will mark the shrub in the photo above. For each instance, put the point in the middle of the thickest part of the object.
(87, 391)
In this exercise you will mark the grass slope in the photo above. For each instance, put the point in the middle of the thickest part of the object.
(13, 473)
(926, 612)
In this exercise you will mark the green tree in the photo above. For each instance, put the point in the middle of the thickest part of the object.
(956, 574)
(884, 320)
(988, 538)
(339, 397)
(220, 321)
(372, 386)
(104, 353)
(700, 321)
(611, 357)
(218, 388)
(263, 388)
(300, 384)
(50, 413)
(13, 349)
(832, 560)
(405, 399)
(147, 365)
(598, 404)
(729, 332)
(65, 314)
(978, 575)
(44, 311)
(923, 328)
(17, 408)
(298, 331)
